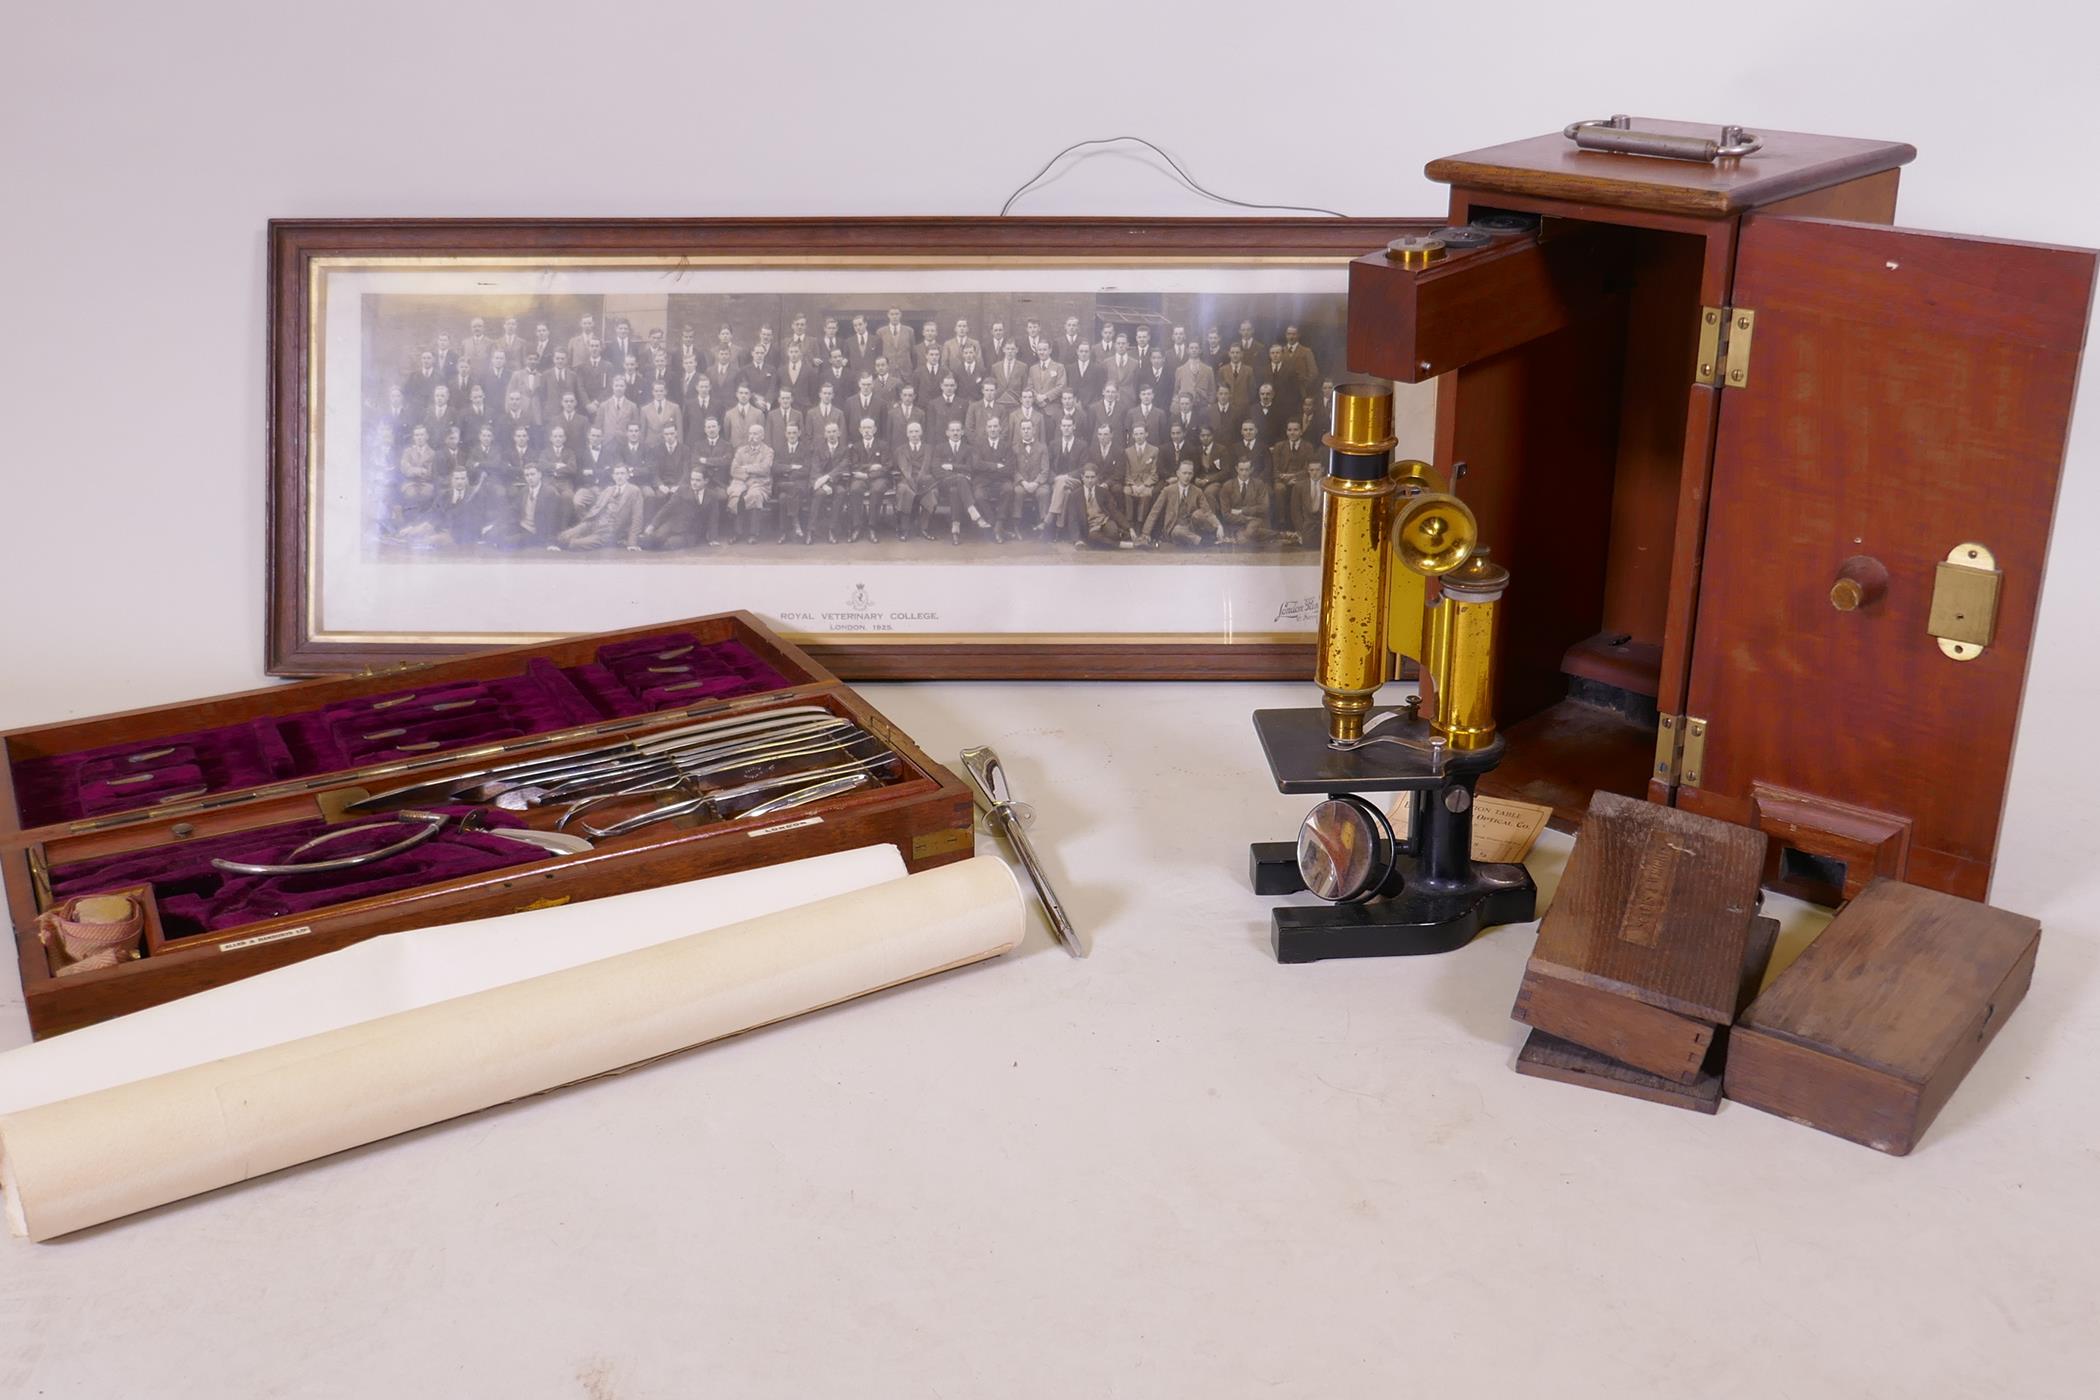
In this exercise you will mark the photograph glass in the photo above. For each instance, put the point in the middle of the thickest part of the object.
(897, 451)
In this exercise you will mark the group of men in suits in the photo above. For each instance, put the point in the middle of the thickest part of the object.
(610, 438)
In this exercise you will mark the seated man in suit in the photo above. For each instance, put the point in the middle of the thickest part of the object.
(1141, 473)
(667, 463)
(992, 478)
(510, 465)
(1243, 506)
(559, 455)
(750, 482)
(1070, 450)
(592, 474)
(690, 516)
(1183, 514)
(534, 515)
(1268, 417)
(455, 518)
(1304, 500)
(792, 475)
(1294, 454)
(952, 468)
(837, 488)
(917, 490)
(871, 467)
(1250, 447)
(1031, 479)
(1097, 517)
(712, 452)
(633, 450)
(1213, 462)
(482, 453)
(614, 520)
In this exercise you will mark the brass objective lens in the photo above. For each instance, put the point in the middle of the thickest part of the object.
(1461, 653)
(1353, 558)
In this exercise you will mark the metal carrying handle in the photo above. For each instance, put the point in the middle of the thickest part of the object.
(1616, 134)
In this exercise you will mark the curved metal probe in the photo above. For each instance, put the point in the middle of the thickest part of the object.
(433, 822)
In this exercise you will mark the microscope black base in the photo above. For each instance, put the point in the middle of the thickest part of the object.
(1410, 924)
(1434, 898)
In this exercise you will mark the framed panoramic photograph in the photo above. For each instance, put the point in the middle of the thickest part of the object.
(989, 448)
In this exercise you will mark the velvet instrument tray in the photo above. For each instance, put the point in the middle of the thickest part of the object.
(140, 803)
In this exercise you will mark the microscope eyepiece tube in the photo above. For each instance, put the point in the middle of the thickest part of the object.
(1353, 556)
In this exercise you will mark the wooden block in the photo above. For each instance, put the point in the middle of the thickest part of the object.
(1549, 1057)
(1869, 1031)
(1641, 955)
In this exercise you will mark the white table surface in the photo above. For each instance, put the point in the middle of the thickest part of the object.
(1173, 1169)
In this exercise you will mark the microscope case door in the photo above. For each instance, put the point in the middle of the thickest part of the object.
(1907, 399)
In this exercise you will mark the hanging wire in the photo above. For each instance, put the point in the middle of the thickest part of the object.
(1187, 179)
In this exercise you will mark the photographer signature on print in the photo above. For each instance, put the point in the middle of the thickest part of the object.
(690, 425)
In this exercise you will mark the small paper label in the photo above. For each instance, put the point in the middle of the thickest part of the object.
(262, 938)
(786, 826)
(1504, 830)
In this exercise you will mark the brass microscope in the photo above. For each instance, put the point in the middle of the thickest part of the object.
(1391, 893)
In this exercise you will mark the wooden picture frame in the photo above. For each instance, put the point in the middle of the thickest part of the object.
(393, 271)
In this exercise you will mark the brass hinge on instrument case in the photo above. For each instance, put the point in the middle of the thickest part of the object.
(1724, 346)
(1680, 749)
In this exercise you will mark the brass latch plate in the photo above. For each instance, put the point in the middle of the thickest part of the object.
(1964, 617)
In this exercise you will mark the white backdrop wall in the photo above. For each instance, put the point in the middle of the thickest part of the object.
(144, 147)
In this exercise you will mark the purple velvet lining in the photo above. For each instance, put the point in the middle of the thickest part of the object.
(194, 898)
(349, 734)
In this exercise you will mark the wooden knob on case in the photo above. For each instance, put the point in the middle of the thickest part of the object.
(1861, 581)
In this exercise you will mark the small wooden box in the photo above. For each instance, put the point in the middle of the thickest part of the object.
(1869, 1031)
(149, 795)
(1641, 956)
(1549, 1057)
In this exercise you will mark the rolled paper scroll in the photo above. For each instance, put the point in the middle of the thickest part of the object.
(81, 1161)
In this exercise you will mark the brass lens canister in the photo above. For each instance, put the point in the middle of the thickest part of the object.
(1460, 653)
(1353, 556)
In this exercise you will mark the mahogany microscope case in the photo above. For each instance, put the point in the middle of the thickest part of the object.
(139, 803)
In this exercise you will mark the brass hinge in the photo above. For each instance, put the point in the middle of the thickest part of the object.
(1680, 749)
(1724, 346)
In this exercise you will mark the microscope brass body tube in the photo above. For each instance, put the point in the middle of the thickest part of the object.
(1353, 555)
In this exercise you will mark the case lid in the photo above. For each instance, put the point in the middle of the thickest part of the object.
(1898, 980)
(1788, 163)
(1908, 399)
(167, 761)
